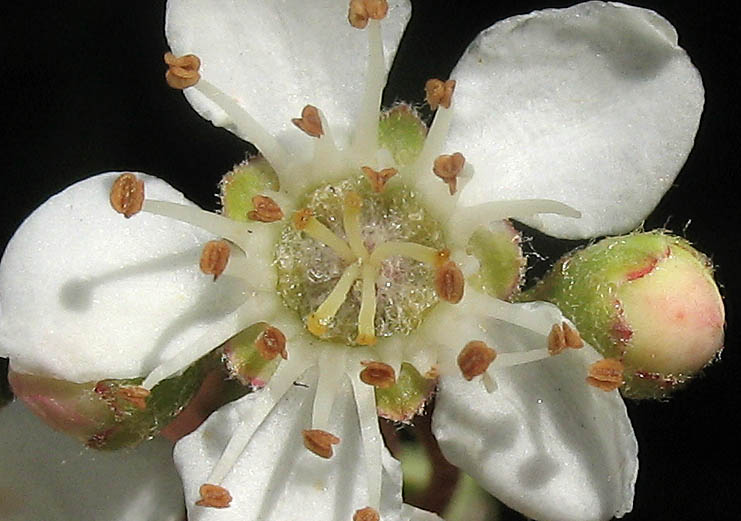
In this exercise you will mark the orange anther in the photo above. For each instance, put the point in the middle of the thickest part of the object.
(183, 71)
(448, 167)
(607, 374)
(377, 374)
(266, 210)
(378, 179)
(320, 442)
(127, 195)
(361, 11)
(135, 395)
(366, 514)
(562, 337)
(449, 282)
(215, 257)
(301, 218)
(438, 92)
(310, 121)
(271, 343)
(475, 358)
(214, 496)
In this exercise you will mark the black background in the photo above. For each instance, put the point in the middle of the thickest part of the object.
(83, 92)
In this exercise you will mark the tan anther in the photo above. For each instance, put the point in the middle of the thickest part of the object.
(378, 179)
(310, 122)
(271, 343)
(301, 218)
(362, 10)
(562, 337)
(183, 70)
(320, 442)
(438, 92)
(607, 374)
(215, 257)
(366, 514)
(127, 195)
(266, 210)
(135, 395)
(377, 374)
(214, 496)
(475, 358)
(449, 282)
(448, 167)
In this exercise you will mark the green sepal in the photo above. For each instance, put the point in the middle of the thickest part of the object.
(402, 132)
(250, 178)
(407, 397)
(244, 362)
(501, 262)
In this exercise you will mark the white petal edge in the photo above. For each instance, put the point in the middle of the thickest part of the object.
(87, 294)
(47, 475)
(275, 57)
(544, 442)
(595, 106)
(277, 478)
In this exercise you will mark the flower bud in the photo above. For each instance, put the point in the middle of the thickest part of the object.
(108, 414)
(648, 299)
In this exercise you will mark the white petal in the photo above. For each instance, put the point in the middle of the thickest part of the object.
(275, 57)
(87, 294)
(47, 475)
(410, 513)
(544, 442)
(595, 106)
(277, 478)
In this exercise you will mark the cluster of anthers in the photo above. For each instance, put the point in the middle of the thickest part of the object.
(362, 249)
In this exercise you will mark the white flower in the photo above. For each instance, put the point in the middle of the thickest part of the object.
(47, 475)
(594, 107)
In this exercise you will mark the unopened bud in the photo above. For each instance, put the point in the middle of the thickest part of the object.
(646, 299)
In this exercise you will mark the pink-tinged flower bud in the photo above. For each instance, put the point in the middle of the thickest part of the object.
(109, 414)
(648, 299)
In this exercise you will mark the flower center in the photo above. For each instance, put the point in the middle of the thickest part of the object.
(357, 264)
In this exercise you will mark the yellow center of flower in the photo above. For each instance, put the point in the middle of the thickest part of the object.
(356, 264)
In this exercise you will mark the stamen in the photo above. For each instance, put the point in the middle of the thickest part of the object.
(271, 343)
(304, 220)
(127, 195)
(378, 179)
(317, 322)
(214, 496)
(365, 140)
(367, 315)
(439, 93)
(362, 10)
(135, 395)
(412, 250)
(331, 373)
(475, 358)
(562, 337)
(448, 167)
(215, 257)
(370, 432)
(437, 134)
(351, 221)
(266, 210)
(216, 224)
(309, 122)
(377, 374)
(183, 71)
(607, 374)
(320, 442)
(366, 514)
(450, 282)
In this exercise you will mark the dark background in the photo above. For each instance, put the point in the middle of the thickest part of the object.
(83, 92)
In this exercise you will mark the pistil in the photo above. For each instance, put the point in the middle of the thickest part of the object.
(304, 221)
(366, 317)
(318, 321)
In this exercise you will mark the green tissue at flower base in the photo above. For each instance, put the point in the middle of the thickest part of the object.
(648, 299)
